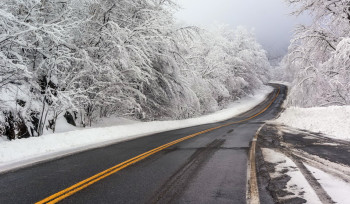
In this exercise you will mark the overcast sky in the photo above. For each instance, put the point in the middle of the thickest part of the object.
(270, 19)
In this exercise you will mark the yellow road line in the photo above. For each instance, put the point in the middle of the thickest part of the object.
(93, 179)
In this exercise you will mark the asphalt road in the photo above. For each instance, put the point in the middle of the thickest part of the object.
(208, 168)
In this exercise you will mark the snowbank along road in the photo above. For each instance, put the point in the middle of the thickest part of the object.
(201, 164)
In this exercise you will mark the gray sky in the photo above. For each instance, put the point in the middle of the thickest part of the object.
(270, 18)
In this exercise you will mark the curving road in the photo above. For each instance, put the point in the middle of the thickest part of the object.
(202, 164)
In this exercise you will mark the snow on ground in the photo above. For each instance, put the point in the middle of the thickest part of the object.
(298, 185)
(336, 188)
(3, 139)
(25, 151)
(63, 126)
(113, 121)
(333, 120)
(280, 82)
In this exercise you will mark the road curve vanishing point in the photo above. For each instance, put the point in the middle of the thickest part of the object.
(190, 165)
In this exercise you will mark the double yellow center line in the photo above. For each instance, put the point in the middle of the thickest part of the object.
(93, 179)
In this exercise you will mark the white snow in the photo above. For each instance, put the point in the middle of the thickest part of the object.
(297, 184)
(113, 121)
(3, 139)
(63, 126)
(26, 151)
(280, 82)
(334, 121)
(336, 188)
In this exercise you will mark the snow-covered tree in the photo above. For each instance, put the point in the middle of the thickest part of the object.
(316, 59)
(95, 58)
(34, 46)
(227, 67)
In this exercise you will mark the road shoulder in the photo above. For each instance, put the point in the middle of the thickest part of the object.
(290, 163)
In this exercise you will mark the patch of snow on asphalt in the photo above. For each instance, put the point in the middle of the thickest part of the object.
(297, 185)
(25, 151)
(334, 121)
(336, 188)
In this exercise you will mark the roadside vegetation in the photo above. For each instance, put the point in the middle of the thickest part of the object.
(318, 62)
(89, 59)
